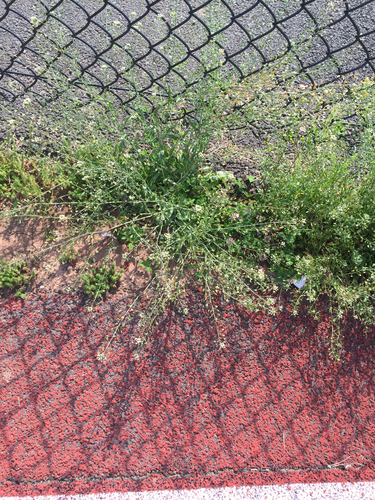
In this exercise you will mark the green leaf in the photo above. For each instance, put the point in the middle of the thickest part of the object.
(146, 263)
(282, 274)
(240, 183)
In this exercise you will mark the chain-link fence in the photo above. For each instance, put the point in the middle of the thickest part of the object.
(139, 47)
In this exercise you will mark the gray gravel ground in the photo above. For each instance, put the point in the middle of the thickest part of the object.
(92, 26)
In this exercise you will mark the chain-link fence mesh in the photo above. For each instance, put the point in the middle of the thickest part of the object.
(140, 46)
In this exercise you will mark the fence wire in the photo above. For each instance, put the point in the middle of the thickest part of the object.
(141, 47)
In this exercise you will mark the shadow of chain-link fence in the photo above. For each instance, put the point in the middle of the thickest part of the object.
(82, 50)
(140, 46)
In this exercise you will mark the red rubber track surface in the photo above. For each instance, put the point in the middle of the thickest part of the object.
(185, 415)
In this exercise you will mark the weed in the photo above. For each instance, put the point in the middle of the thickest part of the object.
(27, 179)
(15, 276)
(148, 177)
(49, 234)
(69, 256)
(131, 235)
(100, 280)
(15, 181)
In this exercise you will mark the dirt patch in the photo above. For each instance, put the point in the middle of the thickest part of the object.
(31, 240)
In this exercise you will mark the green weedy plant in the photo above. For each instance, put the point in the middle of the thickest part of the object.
(15, 182)
(100, 280)
(147, 178)
(316, 219)
(15, 276)
(49, 234)
(68, 256)
(207, 221)
(130, 235)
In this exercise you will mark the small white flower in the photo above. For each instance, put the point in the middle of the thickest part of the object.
(116, 23)
(198, 208)
(34, 21)
(26, 102)
(133, 14)
(261, 274)
(62, 217)
(185, 311)
(234, 216)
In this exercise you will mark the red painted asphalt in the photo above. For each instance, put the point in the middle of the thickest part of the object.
(270, 408)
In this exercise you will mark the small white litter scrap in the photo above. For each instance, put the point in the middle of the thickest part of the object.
(300, 283)
(106, 235)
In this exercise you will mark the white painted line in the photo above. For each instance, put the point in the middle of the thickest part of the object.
(318, 491)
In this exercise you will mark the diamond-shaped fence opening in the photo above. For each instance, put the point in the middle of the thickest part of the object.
(52, 49)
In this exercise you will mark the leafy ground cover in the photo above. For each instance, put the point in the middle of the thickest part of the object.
(148, 177)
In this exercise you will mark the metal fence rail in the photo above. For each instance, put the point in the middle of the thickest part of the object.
(141, 46)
